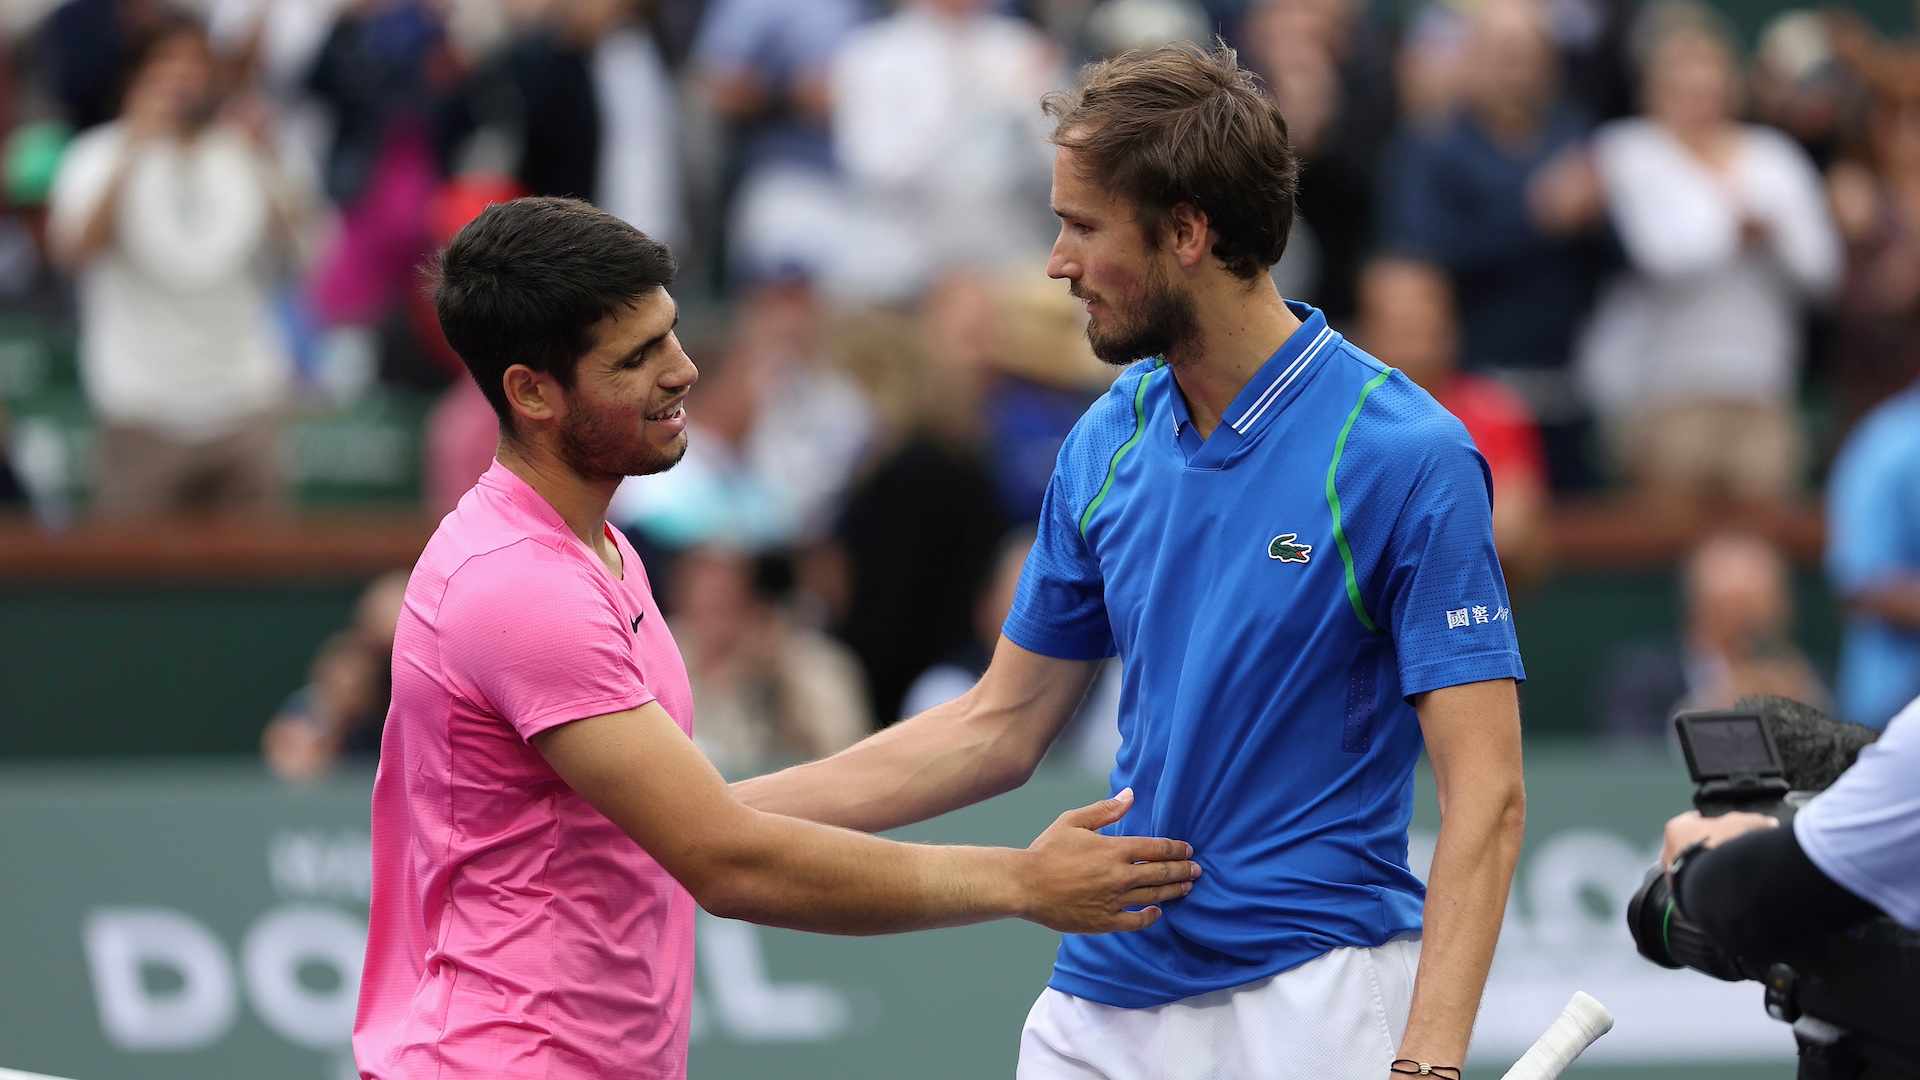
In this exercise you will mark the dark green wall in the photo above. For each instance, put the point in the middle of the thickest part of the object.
(106, 669)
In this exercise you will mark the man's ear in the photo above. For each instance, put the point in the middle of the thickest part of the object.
(530, 394)
(1189, 235)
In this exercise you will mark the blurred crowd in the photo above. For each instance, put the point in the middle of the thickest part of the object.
(1637, 253)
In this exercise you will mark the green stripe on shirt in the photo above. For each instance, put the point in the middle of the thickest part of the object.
(1113, 467)
(1333, 503)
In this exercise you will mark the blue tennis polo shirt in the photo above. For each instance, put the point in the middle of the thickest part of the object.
(1276, 593)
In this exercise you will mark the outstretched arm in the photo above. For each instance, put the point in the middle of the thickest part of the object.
(981, 744)
(646, 776)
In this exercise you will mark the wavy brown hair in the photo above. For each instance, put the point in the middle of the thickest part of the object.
(1185, 124)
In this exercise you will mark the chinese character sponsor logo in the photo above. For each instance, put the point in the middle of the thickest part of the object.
(1456, 619)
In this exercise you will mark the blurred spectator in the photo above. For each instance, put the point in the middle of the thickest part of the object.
(1338, 137)
(1437, 61)
(1693, 353)
(776, 432)
(378, 74)
(937, 125)
(812, 425)
(1802, 84)
(763, 67)
(462, 430)
(171, 217)
(1875, 349)
(1501, 197)
(1091, 738)
(1736, 640)
(1407, 320)
(770, 690)
(1043, 377)
(89, 48)
(581, 95)
(1873, 557)
(341, 711)
(918, 528)
(30, 152)
(714, 496)
(1116, 26)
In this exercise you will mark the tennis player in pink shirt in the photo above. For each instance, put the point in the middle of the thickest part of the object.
(543, 825)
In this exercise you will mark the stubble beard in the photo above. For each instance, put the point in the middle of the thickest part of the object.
(1162, 320)
(597, 450)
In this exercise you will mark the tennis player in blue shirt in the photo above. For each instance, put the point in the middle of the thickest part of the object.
(1289, 546)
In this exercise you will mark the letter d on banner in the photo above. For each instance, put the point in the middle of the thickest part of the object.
(122, 940)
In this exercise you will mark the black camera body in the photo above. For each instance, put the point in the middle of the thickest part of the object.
(1853, 995)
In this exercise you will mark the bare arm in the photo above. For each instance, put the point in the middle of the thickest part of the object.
(1473, 738)
(641, 771)
(981, 744)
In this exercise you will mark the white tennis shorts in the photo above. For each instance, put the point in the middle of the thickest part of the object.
(1336, 1017)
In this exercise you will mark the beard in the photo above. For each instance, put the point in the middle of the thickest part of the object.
(597, 448)
(1156, 323)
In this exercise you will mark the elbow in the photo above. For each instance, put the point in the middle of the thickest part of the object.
(1010, 768)
(720, 868)
(724, 897)
(726, 888)
(1513, 822)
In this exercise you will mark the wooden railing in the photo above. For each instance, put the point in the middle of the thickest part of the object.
(1592, 535)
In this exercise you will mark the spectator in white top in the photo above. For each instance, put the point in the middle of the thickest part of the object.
(171, 217)
(1692, 355)
(937, 126)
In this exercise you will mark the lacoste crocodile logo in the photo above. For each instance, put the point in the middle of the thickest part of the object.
(1284, 549)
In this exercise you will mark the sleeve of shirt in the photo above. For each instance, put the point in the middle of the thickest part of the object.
(85, 173)
(1864, 831)
(1440, 592)
(1060, 607)
(531, 636)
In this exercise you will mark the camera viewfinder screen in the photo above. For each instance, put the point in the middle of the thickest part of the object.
(1725, 745)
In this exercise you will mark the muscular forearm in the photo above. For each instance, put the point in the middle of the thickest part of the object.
(793, 874)
(950, 756)
(1480, 835)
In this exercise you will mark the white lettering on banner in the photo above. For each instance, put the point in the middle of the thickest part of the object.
(120, 941)
(317, 865)
(1571, 934)
(741, 1001)
(271, 957)
(1564, 930)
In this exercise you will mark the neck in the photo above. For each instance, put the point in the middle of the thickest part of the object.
(580, 502)
(1244, 327)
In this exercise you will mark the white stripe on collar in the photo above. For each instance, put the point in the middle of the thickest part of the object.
(1282, 381)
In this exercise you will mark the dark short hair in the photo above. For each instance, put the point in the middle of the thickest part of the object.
(1814, 748)
(1184, 124)
(527, 281)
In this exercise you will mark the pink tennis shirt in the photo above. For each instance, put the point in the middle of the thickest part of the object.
(514, 931)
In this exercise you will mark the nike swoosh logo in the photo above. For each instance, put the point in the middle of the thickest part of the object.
(636, 621)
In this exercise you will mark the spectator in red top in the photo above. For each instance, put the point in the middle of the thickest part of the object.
(1407, 318)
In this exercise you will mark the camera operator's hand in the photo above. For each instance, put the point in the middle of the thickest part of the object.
(1691, 828)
